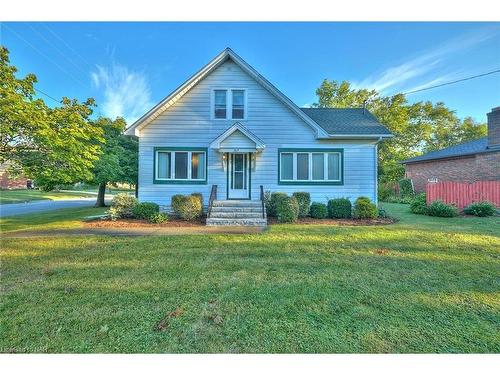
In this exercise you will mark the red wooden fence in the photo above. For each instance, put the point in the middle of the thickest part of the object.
(463, 194)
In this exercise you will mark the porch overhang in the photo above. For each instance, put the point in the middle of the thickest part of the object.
(237, 139)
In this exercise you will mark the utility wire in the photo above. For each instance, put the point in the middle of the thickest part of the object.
(47, 95)
(452, 82)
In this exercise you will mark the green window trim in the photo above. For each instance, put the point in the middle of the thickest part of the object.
(180, 182)
(312, 182)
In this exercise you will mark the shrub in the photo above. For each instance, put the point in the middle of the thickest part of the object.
(304, 201)
(397, 199)
(340, 208)
(113, 213)
(382, 213)
(364, 208)
(275, 198)
(122, 205)
(481, 209)
(384, 191)
(406, 187)
(187, 207)
(145, 210)
(267, 202)
(287, 210)
(441, 209)
(318, 210)
(419, 204)
(158, 218)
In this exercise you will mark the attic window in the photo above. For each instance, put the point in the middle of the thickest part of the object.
(229, 104)
(220, 100)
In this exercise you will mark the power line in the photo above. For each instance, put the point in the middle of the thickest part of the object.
(452, 82)
(47, 95)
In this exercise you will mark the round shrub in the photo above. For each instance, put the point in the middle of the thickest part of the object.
(274, 199)
(419, 204)
(318, 210)
(123, 204)
(187, 207)
(441, 209)
(287, 210)
(158, 218)
(304, 201)
(145, 210)
(481, 209)
(340, 208)
(365, 209)
(406, 187)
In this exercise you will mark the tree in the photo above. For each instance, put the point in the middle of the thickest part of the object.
(118, 160)
(418, 127)
(52, 145)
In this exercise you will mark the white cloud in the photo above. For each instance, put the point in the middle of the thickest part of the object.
(126, 93)
(394, 78)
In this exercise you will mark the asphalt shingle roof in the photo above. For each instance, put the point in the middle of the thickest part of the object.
(346, 121)
(467, 148)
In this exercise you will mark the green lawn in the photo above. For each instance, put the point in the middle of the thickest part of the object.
(421, 285)
(21, 196)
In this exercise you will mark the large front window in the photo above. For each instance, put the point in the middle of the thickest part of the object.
(311, 166)
(180, 165)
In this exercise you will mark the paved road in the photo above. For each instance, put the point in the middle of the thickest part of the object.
(45, 205)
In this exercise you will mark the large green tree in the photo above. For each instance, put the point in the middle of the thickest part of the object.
(418, 127)
(118, 160)
(57, 145)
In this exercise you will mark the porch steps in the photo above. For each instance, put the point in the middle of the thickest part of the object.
(237, 213)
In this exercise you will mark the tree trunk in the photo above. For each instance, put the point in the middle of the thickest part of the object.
(100, 195)
(137, 189)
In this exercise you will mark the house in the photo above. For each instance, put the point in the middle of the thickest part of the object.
(9, 182)
(477, 160)
(229, 132)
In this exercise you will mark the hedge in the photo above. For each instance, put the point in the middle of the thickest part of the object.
(304, 200)
(340, 208)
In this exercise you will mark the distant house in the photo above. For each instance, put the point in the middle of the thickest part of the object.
(227, 129)
(477, 160)
(9, 182)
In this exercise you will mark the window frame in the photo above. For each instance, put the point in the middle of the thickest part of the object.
(229, 103)
(173, 180)
(310, 151)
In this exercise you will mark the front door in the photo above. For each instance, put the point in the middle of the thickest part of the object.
(239, 176)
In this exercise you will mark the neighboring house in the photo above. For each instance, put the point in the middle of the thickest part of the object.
(228, 126)
(9, 182)
(477, 160)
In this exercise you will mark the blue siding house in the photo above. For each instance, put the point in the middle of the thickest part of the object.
(229, 134)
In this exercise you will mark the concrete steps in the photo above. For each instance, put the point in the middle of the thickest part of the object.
(237, 213)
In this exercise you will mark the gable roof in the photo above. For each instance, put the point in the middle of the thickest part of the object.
(347, 121)
(468, 148)
(216, 143)
(201, 74)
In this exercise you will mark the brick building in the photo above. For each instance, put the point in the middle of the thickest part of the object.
(477, 160)
(9, 182)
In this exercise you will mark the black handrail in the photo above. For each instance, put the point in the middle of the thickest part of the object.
(262, 201)
(213, 196)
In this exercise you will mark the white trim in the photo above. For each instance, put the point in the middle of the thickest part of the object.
(216, 143)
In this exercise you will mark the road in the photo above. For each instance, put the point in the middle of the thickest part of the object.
(15, 209)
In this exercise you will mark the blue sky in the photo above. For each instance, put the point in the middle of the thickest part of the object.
(129, 67)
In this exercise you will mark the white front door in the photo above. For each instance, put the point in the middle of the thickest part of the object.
(238, 176)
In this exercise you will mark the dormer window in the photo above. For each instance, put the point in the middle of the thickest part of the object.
(229, 104)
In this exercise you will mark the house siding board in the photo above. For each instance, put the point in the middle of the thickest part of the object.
(237, 140)
(188, 123)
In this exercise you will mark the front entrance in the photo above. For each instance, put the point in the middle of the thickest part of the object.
(238, 176)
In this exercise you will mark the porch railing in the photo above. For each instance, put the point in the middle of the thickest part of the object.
(213, 196)
(262, 202)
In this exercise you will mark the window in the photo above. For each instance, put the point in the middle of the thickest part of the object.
(232, 99)
(176, 165)
(311, 166)
(220, 99)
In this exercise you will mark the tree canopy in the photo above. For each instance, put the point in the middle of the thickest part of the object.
(417, 128)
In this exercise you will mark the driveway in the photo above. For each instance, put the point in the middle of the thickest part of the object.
(43, 205)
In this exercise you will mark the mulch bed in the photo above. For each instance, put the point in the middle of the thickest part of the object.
(136, 223)
(350, 222)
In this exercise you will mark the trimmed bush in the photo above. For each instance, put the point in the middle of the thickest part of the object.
(122, 205)
(364, 208)
(287, 210)
(304, 201)
(187, 207)
(406, 187)
(274, 199)
(158, 218)
(145, 210)
(481, 209)
(318, 210)
(419, 204)
(340, 208)
(441, 209)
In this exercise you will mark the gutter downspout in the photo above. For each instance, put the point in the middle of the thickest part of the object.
(376, 170)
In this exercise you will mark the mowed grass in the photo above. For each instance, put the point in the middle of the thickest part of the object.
(421, 285)
(22, 195)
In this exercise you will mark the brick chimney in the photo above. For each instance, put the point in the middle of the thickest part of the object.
(494, 128)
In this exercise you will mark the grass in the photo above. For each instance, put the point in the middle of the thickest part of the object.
(422, 285)
(22, 195)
